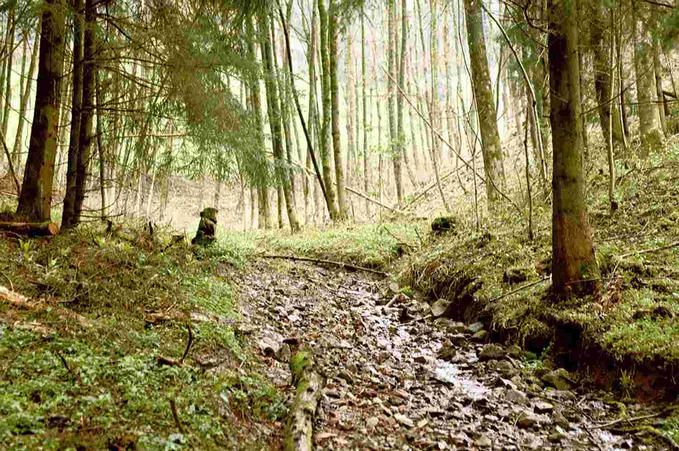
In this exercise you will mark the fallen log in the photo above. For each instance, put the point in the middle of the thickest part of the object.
(298, 431)
(31, 228)
(22, 302)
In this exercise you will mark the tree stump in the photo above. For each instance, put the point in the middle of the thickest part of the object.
(207, 227)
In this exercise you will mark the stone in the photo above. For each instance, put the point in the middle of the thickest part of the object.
(447, 353)
(527, 420)
(543, 407)
(516, 397)
(559, 379)
(513, 276)
(506, 368)
(439, 308)
(475, 327)
(443, 224)
(491, 352)
(556, 437)
(283, 353)
(404, 420)
(480, 336)
(514, 352)
(483, 442)
(372, 422)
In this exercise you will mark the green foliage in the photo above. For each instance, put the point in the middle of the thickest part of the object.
(67, 385)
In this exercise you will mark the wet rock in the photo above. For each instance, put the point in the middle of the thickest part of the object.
(491, 352)
(440, 308)
(559, 379)
(514, 352)
(283, 353)
(506, 368)
(514, 275)
(447, 353)
(527, 420)
(543, 407)
(480, 336)
(556, 437)
(404, 420)
(475, 327)
(516, 397)
(483, 442)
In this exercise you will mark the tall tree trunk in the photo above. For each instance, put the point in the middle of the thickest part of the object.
(265, 220)
(36, 193)
(649, 117)
(483, 93)
(333, 60)
(366, 172)
(393, 63)
(68, 218)
(273, 107)
(25, 95)
(87, 117)
(11, 23)
(326, 156)
(574, 265)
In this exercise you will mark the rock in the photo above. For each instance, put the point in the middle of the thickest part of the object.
(514, 352)
(450, 326)
(506, 383)
(447, 353)
(404, 420)
(372, 422)
(346, 376)
(483, 442)
(440, 307)
(457, 339)
(475, 327)
(491, 352)
(283, 353)
(480, 336)
(514, 275)
(543, 407)
(516, 397)
(506, 368)
(443, 224)
(527, 420)
(559, 379)
(556, 437)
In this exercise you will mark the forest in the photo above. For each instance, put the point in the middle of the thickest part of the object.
(339, 224)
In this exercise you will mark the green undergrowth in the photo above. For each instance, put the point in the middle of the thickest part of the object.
(79, 368)
(370, 245)
(635, 319)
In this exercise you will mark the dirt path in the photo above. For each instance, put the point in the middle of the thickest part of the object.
(397, 384)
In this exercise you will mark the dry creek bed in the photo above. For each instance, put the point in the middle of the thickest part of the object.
(396, 383)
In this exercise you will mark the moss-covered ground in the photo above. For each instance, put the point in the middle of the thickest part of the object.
(79, 367)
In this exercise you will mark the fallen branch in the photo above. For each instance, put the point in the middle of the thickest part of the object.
(22, 302)
(648, 251)
(521, 288)
(621, 420)
(31, 228)
(327, 262)
(172, 362)
(299, 425)
(421, 318)
(374, 201)
(68, 368)
(173, 409)
(422, 193)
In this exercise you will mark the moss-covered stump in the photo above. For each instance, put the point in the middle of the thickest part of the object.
(299, 426)
(207, 227)
(443, 224)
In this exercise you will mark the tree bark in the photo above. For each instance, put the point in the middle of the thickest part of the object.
(36, 194)
(483, 93)
(649, 117)
(68, 218)
(574, 266)
(25, 95)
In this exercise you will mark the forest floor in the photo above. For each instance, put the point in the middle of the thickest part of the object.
(127, 338)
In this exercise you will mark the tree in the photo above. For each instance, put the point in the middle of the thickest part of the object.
(574, 266)
(485, 105)
(649, 114)
(35, 200)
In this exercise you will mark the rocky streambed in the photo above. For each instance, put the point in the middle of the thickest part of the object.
(395, 379)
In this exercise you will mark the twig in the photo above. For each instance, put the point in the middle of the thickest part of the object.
(188, 344)
(648, 251)
(68, 368)
(520, 289)
(370, 199)
(421, 318)
(621, 420)
(173, 408)
(328, 262)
